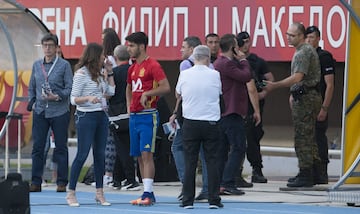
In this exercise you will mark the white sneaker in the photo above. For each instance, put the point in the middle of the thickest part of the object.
(107, 180)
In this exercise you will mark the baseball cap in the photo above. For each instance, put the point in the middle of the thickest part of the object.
(312, 29)
(241, 36)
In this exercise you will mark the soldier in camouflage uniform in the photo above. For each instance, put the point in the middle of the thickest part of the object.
(305, 101)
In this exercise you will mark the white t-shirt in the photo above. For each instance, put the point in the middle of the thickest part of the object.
(200, 89)
(112, 60)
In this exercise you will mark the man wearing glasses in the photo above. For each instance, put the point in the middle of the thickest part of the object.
(49, 91)
(305, 103)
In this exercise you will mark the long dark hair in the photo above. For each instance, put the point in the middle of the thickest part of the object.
(90, 58)
(110, 41)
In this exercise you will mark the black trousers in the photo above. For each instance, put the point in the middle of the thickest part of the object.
(124, 167)
(253, 137)
(197, 133)
(321, 140)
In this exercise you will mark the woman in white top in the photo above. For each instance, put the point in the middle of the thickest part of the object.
(92, 85)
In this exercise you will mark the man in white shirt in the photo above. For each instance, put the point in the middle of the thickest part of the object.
(201, 112)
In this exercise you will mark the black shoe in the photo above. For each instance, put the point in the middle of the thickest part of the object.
(320, 173)
(61, 188)
(301, 182)
(231, 191)
(256, 178)
(292, 179)
(241, 182)
(189, 206)
(35, 188)
(116, 185)
(202, 196)
(216, 206)
(321, 180)
(131, 186)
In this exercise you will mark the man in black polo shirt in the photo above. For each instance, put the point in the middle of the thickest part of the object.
(254, 133)
(327, 64)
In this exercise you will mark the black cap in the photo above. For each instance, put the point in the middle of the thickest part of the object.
(241, 36)
(312, 29)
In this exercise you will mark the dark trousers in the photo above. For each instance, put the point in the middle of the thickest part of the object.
(124, 167)
(253, 137)
(321, 140)
(232, 148)
(195, 134)
(40, 128)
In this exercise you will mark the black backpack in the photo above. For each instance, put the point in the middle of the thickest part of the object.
(14, 195)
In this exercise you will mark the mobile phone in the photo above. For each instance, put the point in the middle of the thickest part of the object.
(233, 50)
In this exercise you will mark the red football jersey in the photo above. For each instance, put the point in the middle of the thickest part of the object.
(144, 77)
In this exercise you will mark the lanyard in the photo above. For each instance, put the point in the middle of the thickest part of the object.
(46, 76)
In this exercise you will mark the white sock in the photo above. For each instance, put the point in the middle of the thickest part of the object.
(148, 184)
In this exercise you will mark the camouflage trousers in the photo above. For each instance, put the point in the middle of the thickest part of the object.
(304, 113)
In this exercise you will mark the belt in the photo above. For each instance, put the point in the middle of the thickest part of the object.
(146, 111)
(118, 117)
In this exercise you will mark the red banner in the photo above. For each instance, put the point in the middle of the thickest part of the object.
(168, 22)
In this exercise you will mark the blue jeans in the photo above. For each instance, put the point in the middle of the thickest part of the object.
(178, 154)
(40, 129)
(232, 148)
(92, 130)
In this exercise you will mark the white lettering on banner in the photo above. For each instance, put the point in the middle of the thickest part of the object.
(128, 25)
(207, 20)
(260, 28)
(235, 22)
(136, 86)
(110, 20)
(63, 25)
(293, 10)
(46, 13)
(332, 12)
(276, 26)
(125, 29)
(177, 12)
(167, 26)
(317, 10)
(159, 28)
(146, 11)
(78, 30)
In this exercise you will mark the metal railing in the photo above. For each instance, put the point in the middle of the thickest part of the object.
(269, 149)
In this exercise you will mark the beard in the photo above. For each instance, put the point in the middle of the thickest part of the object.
(136, 53)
